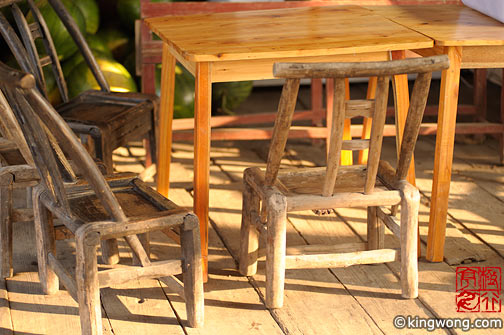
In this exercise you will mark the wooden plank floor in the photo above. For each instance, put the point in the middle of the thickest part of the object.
(356, 300)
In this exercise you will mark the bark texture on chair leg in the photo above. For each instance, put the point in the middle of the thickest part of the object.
(145, 240)
(375, 230)
(109, 248)
(5, 226)
(275, 250)
(110, 251)
(409, 240)
(249, 236)
(46, 243)
(88, 287)
(192, 270)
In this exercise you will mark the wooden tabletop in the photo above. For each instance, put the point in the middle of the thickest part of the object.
(448, 25)
(295, 32)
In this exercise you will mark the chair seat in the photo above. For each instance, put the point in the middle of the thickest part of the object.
(133, 195)
(122, 114)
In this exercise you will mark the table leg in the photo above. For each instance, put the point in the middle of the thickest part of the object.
(366, 124)
(479, 95)
(444, 154)
(401, 102)
(165, 121)
(202, 130)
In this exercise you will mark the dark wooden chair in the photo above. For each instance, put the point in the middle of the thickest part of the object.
(94, 209)
(17, 170)
(268, 196)
(111, 119)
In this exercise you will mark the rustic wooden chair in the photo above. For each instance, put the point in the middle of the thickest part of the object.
(268, 196)
(111, 119)
(95, 209)
(17, 170)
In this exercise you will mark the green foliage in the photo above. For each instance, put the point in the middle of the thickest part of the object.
(81, 78)
(89, 9)
(63, 42)
(228, 96)
(183, 106)
(116, 41)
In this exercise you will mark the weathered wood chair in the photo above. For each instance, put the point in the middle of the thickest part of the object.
(111, 119)
(17, 170)
(268, 196)
(95, 209)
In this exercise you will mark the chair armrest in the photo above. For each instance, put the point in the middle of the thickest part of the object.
(19, 173)
(7, 145)
(387, 175)
(14, 78)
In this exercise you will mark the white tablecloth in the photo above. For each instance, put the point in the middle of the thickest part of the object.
(493, 8)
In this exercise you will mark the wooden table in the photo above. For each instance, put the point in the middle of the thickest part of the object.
(471, 40)
(243, 46)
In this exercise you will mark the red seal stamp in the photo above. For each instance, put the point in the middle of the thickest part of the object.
(478, 289)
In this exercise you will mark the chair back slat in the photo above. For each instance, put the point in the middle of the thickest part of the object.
(26, 33)
(72, 28)
(283, 121)
(375, 109)
(9, 127)
(40, 148)
(336, 124)
(44, 130)
(376, 138)
(29, 59)
(413, 121)
(359, 108)
(16, 46)
(355, 145)
(43, 33)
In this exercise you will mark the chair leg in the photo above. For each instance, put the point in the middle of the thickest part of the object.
(103, 151)
(410, 204)
(46, 244)
(153, 145)
(110, 251)
(145, 240)
(375, 230)
(5, 227)
(87, 282)
(275, 250)
(249, 236)
(192, 270)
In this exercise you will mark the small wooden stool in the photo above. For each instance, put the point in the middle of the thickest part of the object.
(269, 196)
(96, 208)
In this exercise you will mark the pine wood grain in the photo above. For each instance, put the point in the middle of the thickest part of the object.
(449, 25)
(270, 33)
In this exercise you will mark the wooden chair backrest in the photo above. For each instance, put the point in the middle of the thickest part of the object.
(24, 49)
(375, 109)
(45, 130)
